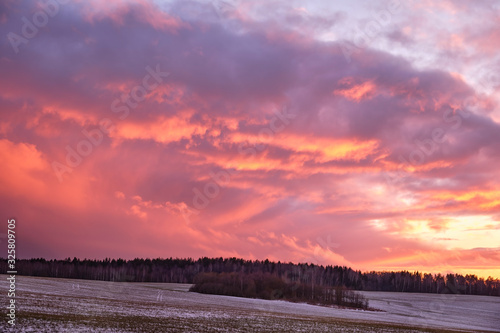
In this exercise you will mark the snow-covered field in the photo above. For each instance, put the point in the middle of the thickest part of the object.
(62, 305)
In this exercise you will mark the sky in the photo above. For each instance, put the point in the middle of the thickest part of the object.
(356, 133)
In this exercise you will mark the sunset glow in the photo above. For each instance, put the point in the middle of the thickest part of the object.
(277, 129)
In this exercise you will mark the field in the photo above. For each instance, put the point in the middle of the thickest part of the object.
(63, 305)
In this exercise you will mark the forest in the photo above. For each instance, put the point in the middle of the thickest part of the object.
(268, 286)
(175, 270)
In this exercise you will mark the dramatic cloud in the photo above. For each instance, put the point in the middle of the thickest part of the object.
(356, 134)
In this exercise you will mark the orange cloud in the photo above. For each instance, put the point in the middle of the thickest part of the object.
(356, 92)
(21, 168)
(325, 149)
(162, 129)
(485, 200)
(27, 174)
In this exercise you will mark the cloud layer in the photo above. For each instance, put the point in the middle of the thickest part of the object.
(136, 129)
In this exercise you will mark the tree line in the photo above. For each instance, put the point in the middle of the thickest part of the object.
(268, 286)
(176, 270)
